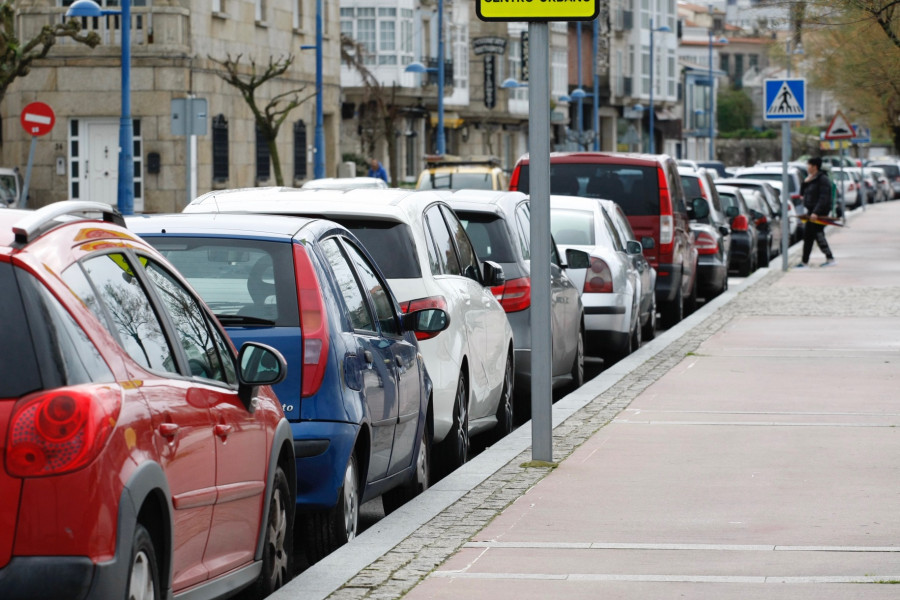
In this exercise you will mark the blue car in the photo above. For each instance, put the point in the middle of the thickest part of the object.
(357, 395)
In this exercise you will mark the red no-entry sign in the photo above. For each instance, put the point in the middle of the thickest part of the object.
(37, 119)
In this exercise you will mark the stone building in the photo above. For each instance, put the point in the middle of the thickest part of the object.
(173, 46)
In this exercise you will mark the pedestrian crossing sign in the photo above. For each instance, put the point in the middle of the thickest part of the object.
(785, 100)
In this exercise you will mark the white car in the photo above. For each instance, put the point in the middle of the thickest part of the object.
(345, 183)
(611, 285)
(426, 256)
(846, 180)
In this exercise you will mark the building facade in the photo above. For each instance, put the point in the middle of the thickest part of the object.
(175, 46)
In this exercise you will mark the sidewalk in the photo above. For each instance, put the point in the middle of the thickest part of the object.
(750, 452)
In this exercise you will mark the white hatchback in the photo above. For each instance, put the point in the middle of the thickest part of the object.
(426, 256)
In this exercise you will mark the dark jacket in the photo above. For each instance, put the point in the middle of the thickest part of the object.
(817, 194)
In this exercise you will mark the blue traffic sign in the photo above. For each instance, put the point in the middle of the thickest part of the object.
(863, 135)
(785, 100)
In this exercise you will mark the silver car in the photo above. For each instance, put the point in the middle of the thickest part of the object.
(498, 223)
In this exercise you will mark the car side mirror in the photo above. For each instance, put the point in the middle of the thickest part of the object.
(258, 364)
(493, 274)
(731, 212)
(633, 247)
(647, 243)
(699, 209)
(577, 259)
(426, 323)
(724, 230)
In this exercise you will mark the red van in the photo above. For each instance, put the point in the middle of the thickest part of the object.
(648, 188)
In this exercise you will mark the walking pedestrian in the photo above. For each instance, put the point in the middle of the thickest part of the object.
(817, 200)
(377, 170)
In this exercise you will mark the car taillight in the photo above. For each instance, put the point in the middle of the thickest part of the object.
(851, 187)
(313, 324)
(514, 179)
(423, 304)
(61, 430)
(514, 295)
(666, 216)
(740, 223)
(706, 243)
(761, 221)
(598, 278)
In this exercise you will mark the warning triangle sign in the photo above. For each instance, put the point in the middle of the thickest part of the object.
(784, 103)
(840, 128)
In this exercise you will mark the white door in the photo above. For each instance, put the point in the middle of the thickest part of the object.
(101, 169)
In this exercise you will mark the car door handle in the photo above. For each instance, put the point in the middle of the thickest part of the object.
(168, 430)
(369, 358)
(222, 430)
(398, 361)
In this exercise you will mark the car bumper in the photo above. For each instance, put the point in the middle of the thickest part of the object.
(606, 319)
(712, 272)
(322, 450)
(668, 278)
(740, 249)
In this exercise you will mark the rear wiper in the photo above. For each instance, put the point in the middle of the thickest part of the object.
(243, 320)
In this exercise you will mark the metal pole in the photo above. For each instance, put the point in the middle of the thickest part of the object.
(441, 144)
(189, 149)
(126, 128)
(652, 140)
(786, 152)
(580, 106)
(23, 201)
(539, 182)
(596, 98)
(843, 199)
(319, 159)
(712, 90)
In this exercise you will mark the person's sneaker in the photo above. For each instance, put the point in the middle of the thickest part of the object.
(829, 263)
(801, 266)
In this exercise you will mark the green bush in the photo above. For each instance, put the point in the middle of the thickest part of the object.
(765, 134)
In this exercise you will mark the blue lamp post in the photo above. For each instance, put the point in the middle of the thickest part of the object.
(319, 135)
(663, 29)
(596, 103)
(89, 8)
(417, 67)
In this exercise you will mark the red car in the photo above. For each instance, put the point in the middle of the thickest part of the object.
(140, 456)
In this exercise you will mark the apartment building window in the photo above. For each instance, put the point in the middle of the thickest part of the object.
(645, 15)
(559, 73)
(216, 5)
(738, 70)
(753, 60)
(263, 157)
(299, 150)
(672, 16)
(645, 70)
(387, 36)
(260, 10)
(298, 13)
(365, 33)
(377, 29)
(515, 69)
(459, 36)
(670, 76)
(220, 148)
(406, 36)
(723, 63)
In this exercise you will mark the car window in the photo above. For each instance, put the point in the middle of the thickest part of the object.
(572, 227)
(611, 231)
(457, 181)
(390, 243)
(447, 262)
(691, 186)
(195, 335)
(134, 322)
(249, 278)
(50, 349)
(468, 259)
(489, 235)
(357, 306)
(384, 304)
(622, 225)
(755, 201)
(891, 170)
(523, 229)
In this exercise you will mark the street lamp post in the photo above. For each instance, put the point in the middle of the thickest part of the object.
(662, 29)
(580, 98)
(319, 135)
(596, 98)
(417, 67)
(712, 91)
(89, 8)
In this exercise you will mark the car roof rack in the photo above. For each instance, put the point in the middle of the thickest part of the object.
(44, 219)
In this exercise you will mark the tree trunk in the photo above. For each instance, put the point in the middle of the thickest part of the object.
(276, 161)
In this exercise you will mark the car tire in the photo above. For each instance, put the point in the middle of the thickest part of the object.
(393, 499)
(143, 574)
(328, 530)
(690, 304)
(764, 257)
(455, 447)
(506, 405)
(577, 372)
(278, 549)
(649, 330)
(673, 312)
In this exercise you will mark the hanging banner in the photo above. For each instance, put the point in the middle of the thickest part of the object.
(490, 83)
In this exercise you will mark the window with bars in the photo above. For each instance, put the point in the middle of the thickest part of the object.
(263, 158)
(300, 171)
(220, 148)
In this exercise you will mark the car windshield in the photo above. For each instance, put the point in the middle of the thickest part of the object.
(250, 279)
(489, 235)
(691, 187)
(457, 181)
(633, 187)
(572, 227)
(390, 243)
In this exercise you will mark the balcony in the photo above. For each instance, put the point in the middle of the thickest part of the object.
(623, 20)
(155, 31)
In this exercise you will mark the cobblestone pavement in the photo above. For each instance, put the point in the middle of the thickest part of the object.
(402, 568)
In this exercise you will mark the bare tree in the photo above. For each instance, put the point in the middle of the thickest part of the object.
(271, 116)
(16, 56)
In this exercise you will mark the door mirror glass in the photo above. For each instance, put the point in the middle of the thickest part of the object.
(648, 243)
(428, 321)
(493, 274)
(260, 365)
(724, 230)
(731, 212)
(633, 247)
(699, 209)
(577, 259)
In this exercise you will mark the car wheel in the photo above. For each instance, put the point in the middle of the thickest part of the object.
(690, 304)
(277, 549)
(577, 372)
(330, 529)
(143, 575)
(673, 312)
(746, 268)
(649, 330)
(397, 497)
(505, 408)
(764, 257)
(636, 337)
(455, 447)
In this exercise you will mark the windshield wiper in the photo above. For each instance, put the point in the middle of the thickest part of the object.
(243, 320)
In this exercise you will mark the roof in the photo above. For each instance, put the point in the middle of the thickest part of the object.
(482, 200)
(237, 225)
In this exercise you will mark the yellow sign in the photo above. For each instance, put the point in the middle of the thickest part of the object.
(537, 10)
